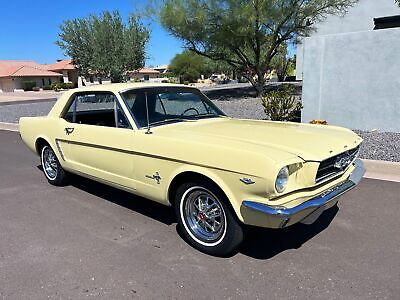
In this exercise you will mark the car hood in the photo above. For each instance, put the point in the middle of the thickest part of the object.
(309, 142)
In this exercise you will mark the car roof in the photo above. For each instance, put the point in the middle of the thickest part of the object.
(119, 87)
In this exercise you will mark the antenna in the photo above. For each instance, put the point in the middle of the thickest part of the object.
(147, 113)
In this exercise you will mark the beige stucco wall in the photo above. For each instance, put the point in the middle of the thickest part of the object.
(10, 84)
(141, 76)
(6, 84)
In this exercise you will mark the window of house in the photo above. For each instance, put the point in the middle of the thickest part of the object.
(100, 109)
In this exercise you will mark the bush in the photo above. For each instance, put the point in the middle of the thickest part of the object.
(36, 89)
(28, 85)
(47, 88)
(67, 85)
(164, 81)
(56, 86)
(186, 82)
(281, 105)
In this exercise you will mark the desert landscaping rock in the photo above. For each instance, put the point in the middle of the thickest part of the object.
(380, 145)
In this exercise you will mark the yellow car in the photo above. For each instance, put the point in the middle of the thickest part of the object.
(171, 144)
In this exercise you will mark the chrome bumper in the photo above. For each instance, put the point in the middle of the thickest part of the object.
(316, 205)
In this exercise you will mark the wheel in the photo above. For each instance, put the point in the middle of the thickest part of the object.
(206, 220)
(52, 169)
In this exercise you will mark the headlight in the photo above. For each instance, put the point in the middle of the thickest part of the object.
(282, 179)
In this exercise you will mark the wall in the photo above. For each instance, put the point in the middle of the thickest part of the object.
(6, 84)
(353, 79)
(359, 18)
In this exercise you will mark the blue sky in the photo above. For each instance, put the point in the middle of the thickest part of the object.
(30, 28)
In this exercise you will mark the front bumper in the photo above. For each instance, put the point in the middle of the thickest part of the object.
(306, 212)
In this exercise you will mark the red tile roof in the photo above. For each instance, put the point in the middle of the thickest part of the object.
(28, 71)
(24, 68)
(144, 71)
(65, 64)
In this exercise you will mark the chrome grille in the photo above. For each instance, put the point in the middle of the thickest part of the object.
(336, 165)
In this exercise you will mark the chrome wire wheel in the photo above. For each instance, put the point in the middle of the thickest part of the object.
(203, 216)
(49, 163)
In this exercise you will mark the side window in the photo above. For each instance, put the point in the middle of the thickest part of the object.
(100, 109)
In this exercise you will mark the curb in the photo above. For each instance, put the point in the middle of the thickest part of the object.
(9, 126)
(376, 169)
(382, 170)
(30, 101)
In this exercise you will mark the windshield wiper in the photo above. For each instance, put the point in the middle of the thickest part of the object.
(206, 115)
(169, 121)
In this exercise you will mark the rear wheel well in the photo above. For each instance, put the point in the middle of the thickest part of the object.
(188, 177)
(40, 142)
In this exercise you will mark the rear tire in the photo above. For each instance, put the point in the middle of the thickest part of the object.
(206, 220)
(52, 168)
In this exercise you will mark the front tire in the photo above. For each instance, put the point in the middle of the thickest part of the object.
(206, 220)
(52, 168)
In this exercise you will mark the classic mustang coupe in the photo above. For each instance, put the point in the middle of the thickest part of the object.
(171, 144)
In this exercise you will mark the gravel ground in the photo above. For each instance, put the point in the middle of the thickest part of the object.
(380, 145)
(239, 103)
(245, 108)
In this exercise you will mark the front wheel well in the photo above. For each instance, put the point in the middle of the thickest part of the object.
(188, 176)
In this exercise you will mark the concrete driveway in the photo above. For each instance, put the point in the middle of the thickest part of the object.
(88, 240)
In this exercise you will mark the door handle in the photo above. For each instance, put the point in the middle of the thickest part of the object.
(69, 130)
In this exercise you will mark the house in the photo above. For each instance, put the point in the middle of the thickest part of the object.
(16, 74)
(67, 69)
(350, 68)
(163, 69)
(143, 74)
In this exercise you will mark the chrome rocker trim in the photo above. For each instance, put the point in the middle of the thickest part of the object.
(316, 203)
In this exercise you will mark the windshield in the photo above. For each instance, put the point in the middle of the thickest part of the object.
(168, 105)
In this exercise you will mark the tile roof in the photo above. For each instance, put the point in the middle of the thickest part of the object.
(24, 68)
(144, 71)
(65, 64)
(28, 71)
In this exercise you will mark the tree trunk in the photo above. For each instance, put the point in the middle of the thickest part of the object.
(259, 85)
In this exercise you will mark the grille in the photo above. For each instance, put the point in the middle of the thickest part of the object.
(336, 165)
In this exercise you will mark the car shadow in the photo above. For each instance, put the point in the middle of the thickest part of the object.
(151, 209)
(260, 243)
(263, 243)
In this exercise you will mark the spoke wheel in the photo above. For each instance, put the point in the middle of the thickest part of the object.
(52, 169)
(50, 166)
(204, 215)
(206, 220)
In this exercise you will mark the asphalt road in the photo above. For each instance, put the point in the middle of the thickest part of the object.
(87, 240)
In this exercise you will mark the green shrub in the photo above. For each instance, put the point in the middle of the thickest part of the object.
(56, 86)
(69, 85)
(36, 89)
(186, 82)
(164, 81)
(281, 105)
(47, 88)
(28, 85)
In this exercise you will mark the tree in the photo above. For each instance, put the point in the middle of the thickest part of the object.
(280, 62)
(189, 66)
(244, 34)
(104, 45)
(398, 2)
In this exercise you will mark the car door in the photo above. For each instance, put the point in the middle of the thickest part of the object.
(99, 138)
